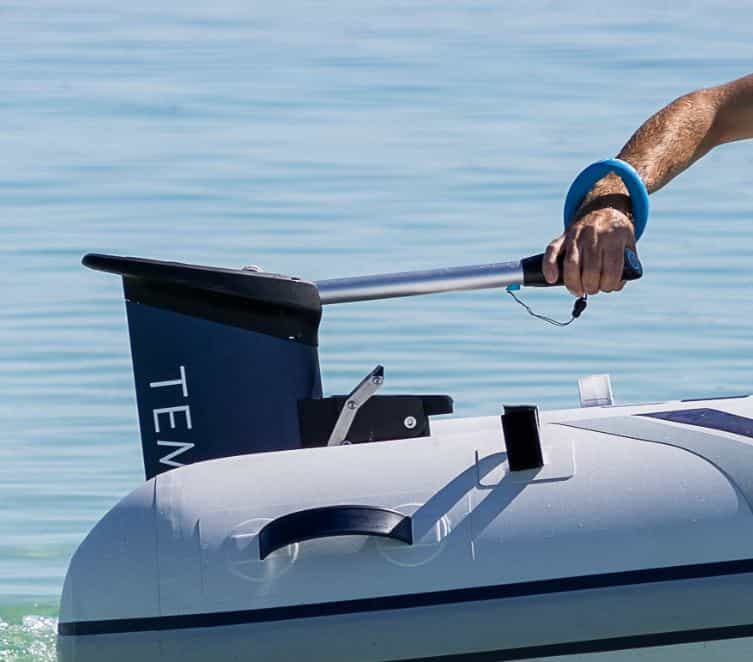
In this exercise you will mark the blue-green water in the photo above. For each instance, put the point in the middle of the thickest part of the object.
(331, 139)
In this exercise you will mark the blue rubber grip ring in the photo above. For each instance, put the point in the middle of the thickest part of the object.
(585, 181)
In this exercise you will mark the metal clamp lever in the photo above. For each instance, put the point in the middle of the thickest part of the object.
(358, 396)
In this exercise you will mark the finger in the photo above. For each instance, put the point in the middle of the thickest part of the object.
(612, 266)
(550, 267)
(591, 261)
(632, 246)
(572, 269)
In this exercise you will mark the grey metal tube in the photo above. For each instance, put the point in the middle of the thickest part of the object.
(413, 283)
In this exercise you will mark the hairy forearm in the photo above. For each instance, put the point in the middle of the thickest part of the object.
(665, 145)
(673, 139)
(681, 133)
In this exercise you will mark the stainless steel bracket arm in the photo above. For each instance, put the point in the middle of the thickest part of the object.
(358, 396)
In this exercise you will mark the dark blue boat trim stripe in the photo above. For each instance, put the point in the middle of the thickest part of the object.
(409, 601)
(597, 645)
(713, 419)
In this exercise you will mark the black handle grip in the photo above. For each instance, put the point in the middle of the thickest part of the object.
(533, 275)
(334, 521)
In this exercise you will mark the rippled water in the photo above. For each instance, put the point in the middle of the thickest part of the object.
(332, 139)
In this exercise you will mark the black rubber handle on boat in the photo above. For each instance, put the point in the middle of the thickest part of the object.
(334, 521)
(533, 274)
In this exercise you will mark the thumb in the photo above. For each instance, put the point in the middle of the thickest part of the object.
(549, 267)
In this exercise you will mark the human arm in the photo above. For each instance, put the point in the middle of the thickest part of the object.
(663, 147)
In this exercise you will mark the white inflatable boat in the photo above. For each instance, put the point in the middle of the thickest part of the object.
(277, 524)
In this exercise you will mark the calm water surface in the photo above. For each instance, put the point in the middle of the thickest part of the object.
(334, 139)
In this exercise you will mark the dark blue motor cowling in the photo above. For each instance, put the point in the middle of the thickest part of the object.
(221, 358)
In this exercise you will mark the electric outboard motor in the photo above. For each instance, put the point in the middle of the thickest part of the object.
(221, 358)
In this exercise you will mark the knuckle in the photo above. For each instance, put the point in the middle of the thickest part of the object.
(591, 279)
(590, 283)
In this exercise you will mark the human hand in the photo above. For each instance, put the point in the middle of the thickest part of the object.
(593, 249)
